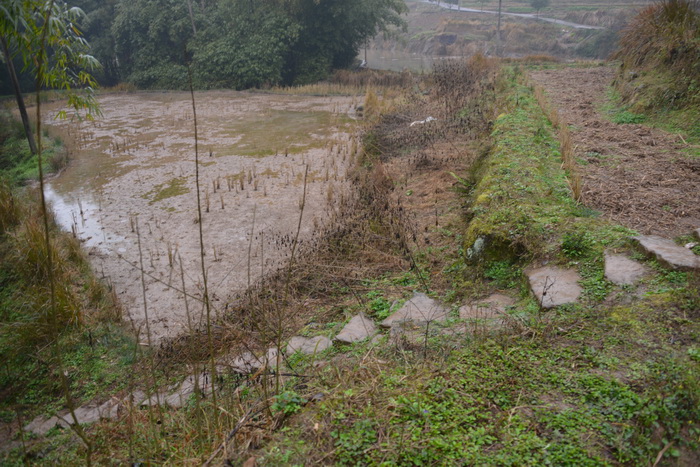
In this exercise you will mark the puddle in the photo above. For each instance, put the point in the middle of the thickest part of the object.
(78, 214)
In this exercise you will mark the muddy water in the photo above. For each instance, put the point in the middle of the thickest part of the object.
(132, 179)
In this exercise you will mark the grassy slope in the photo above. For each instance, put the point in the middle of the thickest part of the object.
(612, 380)
(96, 352)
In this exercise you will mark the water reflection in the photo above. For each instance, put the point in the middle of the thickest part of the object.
(79, 214)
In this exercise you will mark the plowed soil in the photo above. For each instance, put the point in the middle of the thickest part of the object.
(635, 175)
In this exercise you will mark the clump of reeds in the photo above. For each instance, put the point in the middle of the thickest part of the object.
(566, 147)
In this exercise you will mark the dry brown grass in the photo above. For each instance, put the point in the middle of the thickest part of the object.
(566, 147)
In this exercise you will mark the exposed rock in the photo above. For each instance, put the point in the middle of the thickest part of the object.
(245, 363)
(41, 425)
(492, 307)
(157, 398)
(668, 253)
(697, 233)
(554, 286)
(308, 345)
(418, 309)
(85, 415)
(621, 270)
(271, 358)
(358, 329)
(179, 398)
(136, 397)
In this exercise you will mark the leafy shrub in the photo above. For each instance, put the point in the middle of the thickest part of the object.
(577, 244)
(288, 403)
(628, 117)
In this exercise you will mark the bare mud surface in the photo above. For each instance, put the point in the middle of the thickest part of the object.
(637, 176)
(132, 178)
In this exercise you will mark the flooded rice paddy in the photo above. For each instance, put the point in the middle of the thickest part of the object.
(132, 178)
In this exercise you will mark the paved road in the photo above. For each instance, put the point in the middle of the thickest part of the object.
(449, 6)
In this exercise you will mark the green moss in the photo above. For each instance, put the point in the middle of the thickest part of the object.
(522, 194)
(175, 187)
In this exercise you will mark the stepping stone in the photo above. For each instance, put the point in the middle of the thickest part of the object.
(554, 286)
(308, 346)
(271, 358)
(358, 329)
(621, 270)
(492, 307)
(179, 398)
(697, 233)
(246, 363)
(85, 415)
(419, 309)
(41, 425)
(668, 253)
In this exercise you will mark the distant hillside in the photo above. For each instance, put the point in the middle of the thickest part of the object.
(437, 31)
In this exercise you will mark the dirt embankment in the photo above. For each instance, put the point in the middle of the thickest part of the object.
(637, 176)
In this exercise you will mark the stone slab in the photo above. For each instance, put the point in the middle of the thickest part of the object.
(359, 328)
(491, 307)
(621, 270)
(85, 415)
(181, 395)
(554, 286)
(419, 309)
(307, 345)
(245, 363)
(271, 358)
(697, 233)
(668, 253)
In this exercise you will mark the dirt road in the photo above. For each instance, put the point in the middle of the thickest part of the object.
(640, 177)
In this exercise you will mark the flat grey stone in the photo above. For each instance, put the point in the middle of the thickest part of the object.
(621, 270)
(90, 413)
(156, 399)
(419, 309)
(136, 397)
(41, 425)
(308, 345)
(246, 363)
(271, 358)
(668, 253)
(358, 329)
(491, 307)
(554, 286)
(179, 398)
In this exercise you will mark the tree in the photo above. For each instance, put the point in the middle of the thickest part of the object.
(539, 4)
(243, 43)
(67, 64)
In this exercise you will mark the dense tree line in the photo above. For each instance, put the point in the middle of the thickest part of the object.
(229, 43)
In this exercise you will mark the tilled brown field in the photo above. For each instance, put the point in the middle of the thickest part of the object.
(637, 176)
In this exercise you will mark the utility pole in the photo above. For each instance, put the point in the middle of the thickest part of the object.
(498, 34)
